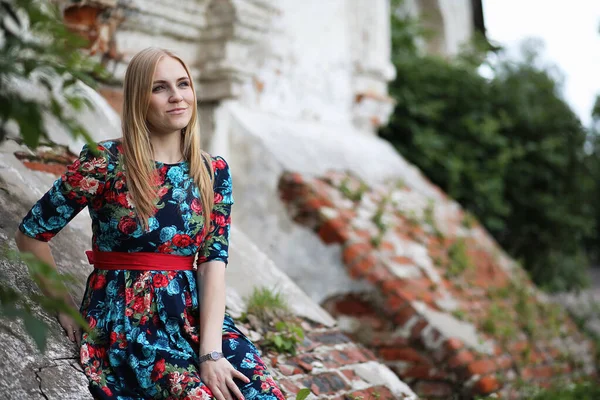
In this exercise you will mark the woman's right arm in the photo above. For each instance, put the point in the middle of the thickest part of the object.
(66, 198)
(41, 251)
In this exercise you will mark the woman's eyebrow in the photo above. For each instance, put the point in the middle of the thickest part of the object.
(183, 78)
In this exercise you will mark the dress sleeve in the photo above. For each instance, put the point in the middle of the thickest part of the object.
(216, 244)
(69, 194)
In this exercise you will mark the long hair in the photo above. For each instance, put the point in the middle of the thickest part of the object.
(138, 157)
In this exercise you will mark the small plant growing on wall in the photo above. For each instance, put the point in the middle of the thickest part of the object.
(269, 313)
(459, 261)
(285, 339)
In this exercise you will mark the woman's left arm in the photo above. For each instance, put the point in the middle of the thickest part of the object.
(211, 287)
(212, 260)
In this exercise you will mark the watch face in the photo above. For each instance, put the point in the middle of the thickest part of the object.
(215, 355)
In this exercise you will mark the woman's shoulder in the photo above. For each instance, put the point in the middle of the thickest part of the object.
(111, 148)
(219, 163)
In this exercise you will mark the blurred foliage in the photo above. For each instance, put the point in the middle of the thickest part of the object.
(40, 68)
(13, 304)
(508, 148)
(37, 49)
(593, 168)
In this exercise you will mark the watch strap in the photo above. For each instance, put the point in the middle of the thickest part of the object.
(213, 355)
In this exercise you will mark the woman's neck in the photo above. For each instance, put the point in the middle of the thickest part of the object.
(167, 148)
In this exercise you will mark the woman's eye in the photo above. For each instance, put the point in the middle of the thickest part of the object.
(157, 88)
(184, 84)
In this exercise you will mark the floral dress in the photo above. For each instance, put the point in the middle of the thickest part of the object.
(144, 342)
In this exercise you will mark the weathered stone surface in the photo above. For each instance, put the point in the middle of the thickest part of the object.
(498, 324)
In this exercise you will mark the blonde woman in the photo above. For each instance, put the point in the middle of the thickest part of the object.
(160, 330)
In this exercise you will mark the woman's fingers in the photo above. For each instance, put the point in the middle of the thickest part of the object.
(237, 374)
(217, 393)
(225, 389)
(77, 334)
(234, 389)
(70, 333)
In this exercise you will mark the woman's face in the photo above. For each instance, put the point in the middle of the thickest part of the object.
(172, 98)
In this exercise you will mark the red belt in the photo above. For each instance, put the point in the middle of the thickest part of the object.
(139, 261)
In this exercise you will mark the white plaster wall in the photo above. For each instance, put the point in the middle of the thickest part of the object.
(305, 63)
(458, 23)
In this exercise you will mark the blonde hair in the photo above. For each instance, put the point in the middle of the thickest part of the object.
(138, 155)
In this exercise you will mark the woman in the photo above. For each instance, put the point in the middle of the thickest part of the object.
(154, 335)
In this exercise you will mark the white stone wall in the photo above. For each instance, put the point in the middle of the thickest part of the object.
(450, 22)
(458, 23)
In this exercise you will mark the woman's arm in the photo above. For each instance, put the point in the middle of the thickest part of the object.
(41, 250)
(217, 375)
(211, 289)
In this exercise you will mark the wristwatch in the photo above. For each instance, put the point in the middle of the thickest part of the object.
(213, 355)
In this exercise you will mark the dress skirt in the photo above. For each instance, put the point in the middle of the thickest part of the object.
(144, 339)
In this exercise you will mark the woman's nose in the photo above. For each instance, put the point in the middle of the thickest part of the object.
(176, 96)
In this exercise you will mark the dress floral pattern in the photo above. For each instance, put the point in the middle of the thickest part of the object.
(145, 324)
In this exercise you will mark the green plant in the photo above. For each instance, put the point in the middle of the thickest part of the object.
(377, 218)
(302, 394)
(36, 46)
(459, 314)
(507, 148)
(468, 220)
(267, 305)
(429, 219)
(376, 240)
(459, 260)
(285, 339)
(354, 195)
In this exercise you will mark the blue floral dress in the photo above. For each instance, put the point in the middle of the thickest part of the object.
(145, 323)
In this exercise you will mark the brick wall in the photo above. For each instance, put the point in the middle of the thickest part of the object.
(449, 312)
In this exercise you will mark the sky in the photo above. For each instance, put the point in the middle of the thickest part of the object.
(570, 30)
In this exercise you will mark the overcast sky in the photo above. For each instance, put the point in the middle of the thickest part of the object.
(570, 31)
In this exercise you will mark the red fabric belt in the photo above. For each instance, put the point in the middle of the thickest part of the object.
(139, 261)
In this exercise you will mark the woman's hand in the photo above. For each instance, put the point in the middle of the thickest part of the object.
(218, 376)
(72, 329)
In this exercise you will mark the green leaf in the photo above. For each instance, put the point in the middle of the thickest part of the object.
(37, 330)
(302, 394)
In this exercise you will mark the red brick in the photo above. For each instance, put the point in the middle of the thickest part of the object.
(288, 386)
(416, 330)
(350, 374)
(453, 344)
(537, 372)
(361, 267)
(418, 371)
(433, 390)
(348, 356)
(56, 169)
(289, 370)
(401, 354)
(325, 383)
(334, 231)
(374, 392)
(393, 303)
(482, 367)
(464, 357)
(355, 251)
(486, 385)
(504, 362)
(378, 274)
(387, 246)
(114, 97)
(354, 306)
(404, 315)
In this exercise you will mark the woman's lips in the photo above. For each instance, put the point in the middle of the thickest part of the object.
(177, 111)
